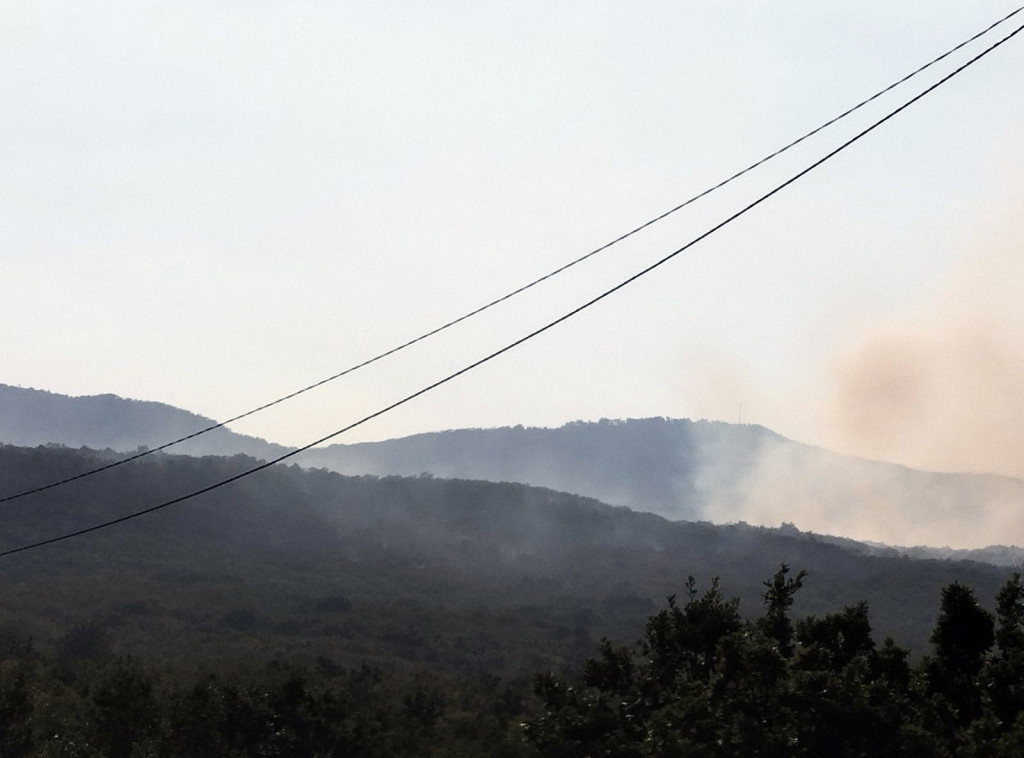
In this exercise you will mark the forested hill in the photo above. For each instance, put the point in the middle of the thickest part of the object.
(677, 468)
(672, 467)
(716, 471)
(36, 417)
(450, 573)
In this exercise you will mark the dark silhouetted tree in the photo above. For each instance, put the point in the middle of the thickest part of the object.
(963, 634)
(778, 598)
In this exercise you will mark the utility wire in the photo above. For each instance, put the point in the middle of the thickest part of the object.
(550, 325)
(518, 290)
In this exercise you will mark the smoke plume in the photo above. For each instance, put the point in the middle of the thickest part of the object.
(941, 385)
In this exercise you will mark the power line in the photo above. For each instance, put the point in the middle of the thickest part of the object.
(518, 290)
(537, 332)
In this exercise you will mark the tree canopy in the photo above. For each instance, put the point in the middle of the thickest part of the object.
(704, 682)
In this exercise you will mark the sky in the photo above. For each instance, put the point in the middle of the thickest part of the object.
(215, 204)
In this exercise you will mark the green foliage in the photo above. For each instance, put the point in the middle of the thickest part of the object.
(1007, 666)
(778, 598)
(460, 575)
(120, 708)
(702, 682)
(964, 633)
(305, 613)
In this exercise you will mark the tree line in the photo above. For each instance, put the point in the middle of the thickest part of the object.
(701, 681)
(704, 682)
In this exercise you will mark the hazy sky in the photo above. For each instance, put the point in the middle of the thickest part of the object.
(214, 204)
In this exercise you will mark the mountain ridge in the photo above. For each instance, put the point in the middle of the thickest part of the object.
(715, 471)
(678, 468)
(31, 417)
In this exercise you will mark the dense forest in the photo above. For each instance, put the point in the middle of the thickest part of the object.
(704, 682)
(536, 575)
(701, 681)
(302, 612)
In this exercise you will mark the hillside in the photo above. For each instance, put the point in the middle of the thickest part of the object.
(677, 468)
(719, 472)
(35, 417)
(669, 467)
(456, 574)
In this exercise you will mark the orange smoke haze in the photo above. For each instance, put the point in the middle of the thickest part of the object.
(941, 385)
(949, 398)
